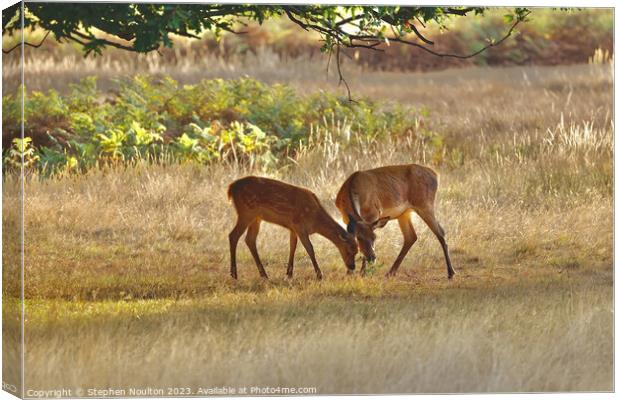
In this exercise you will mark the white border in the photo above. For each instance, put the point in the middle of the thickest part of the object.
(498, 3)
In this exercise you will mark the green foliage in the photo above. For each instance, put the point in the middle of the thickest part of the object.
(236, 121)
(373, 268)
(240, 141)
(21, 154)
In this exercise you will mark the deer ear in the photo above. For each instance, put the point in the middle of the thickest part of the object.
(351, 225)
(380, 223)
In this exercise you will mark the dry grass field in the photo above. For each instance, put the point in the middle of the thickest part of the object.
(127, 268)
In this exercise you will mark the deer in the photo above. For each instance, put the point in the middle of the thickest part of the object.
(369, 199)
(258, 199)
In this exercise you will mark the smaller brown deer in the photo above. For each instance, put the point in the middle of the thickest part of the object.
(261, 199)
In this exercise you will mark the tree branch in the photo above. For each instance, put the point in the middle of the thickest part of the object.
(420, 21)
(329, 60)
(375, 39)
(105, 42)
(456, 11)
(340, 76)
(348, 20)
(422, 38)
(27, 44)
(491, 44)
(306, 26)
(338, 35)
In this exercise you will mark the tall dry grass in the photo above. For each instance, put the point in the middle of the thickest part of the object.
(129, 266)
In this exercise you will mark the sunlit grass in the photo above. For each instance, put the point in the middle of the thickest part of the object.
(129, 266)
(453, 340)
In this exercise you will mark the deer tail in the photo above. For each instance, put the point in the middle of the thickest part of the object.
(232, 189)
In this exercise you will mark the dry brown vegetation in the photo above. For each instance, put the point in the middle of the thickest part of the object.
(127, 268)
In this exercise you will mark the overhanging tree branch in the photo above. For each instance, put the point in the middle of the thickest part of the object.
(27, 44)
(146, 27)
(341, 76)
(435, 53)
(374, 39)
(460, 12)
(422, 38)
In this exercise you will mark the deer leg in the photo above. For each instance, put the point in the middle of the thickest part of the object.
(233, 239)
(428, 215)
(363, 269)
(410, 237)
(291, 256)
(250, 240)
(305, 241)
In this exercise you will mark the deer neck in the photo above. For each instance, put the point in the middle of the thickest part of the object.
(328, 228)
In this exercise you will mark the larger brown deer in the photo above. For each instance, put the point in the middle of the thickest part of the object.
(369, 199)
(298, 209)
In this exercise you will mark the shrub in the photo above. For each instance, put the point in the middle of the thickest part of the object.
(240, 120)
